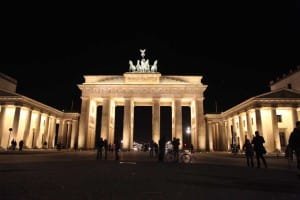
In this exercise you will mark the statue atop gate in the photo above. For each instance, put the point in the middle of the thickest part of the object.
(143, 65)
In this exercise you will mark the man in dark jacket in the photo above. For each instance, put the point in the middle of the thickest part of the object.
(294, 142)
(259, 148)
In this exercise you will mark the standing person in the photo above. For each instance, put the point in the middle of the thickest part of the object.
(21, 145)
(247, 147)
(294, 142)
(162, 148)
(117, 149)
(192, 148)
(259, 148)
(100, 144)
(176, 143)
(105, 148)
(151, 148)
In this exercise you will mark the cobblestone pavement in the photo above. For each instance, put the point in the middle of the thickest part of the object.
(78, 175)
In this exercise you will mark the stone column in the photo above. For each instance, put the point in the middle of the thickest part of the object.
(210, 137)
(156, 120)
(128, 124)
(194, 128)
(84, 123)
(249, 126)
(107, 124)
(111, 133)
(201, 124)
(275, 129)
(36, 132)
(16, 122)
(258, 120)
(74, 136)
(69, 133)
(46, 130)
(27, 128)
(2, 131)
(177, 122)
(52, 132)
(61, 131)
(242, 133)
(294, 116)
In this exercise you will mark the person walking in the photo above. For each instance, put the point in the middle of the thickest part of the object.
(259, 149)
(294, 143)
(247, 147)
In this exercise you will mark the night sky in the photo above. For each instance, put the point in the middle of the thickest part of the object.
(238, 48)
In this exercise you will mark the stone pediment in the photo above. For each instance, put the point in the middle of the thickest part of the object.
(282, 94)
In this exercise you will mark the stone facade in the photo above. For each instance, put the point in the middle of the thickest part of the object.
(38, 125)
(140, 89)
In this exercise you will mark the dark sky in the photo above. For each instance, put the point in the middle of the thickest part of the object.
(237, 47)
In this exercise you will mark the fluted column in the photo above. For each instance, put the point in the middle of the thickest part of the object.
(2, 131)
(46, 131)
(177, 120)
(249, 126)
(74, 135)
(210, 137)
(69, 134)
(275, 130)
(294, 116)
(52, 132)
(16, 122)
(111, 133)
(156, 121)
(61, 130)
(84, 122)
(128, 124)
(2, 113)
(108, 119)
(258, 120)
(194, 128)
(241, 127)
(27, 128)
(201, 124)
(36, 130)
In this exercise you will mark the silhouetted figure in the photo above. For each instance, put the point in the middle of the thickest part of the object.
(259, 148)
(100, 144)
(294, 143)
(117, 149)
(151, 148)
(21, 143)
(105, 149)
(110, 147)
(13, 144)
(176, 143)
(192, 148)
(162, 148)
(155, 146)
(247, 147)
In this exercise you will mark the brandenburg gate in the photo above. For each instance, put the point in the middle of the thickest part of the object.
(141, 86)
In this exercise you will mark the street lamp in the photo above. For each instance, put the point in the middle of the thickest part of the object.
(188, 132)
(10, 130)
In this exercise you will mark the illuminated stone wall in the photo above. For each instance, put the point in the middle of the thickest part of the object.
(141, 89)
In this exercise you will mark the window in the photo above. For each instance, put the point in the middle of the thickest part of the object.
(289, 86)
(279, 118)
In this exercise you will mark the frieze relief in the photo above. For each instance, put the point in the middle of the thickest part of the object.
(142, 91)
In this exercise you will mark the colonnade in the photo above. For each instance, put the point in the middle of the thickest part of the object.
(37, 128)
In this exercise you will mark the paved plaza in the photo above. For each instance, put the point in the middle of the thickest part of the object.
(78, 175)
